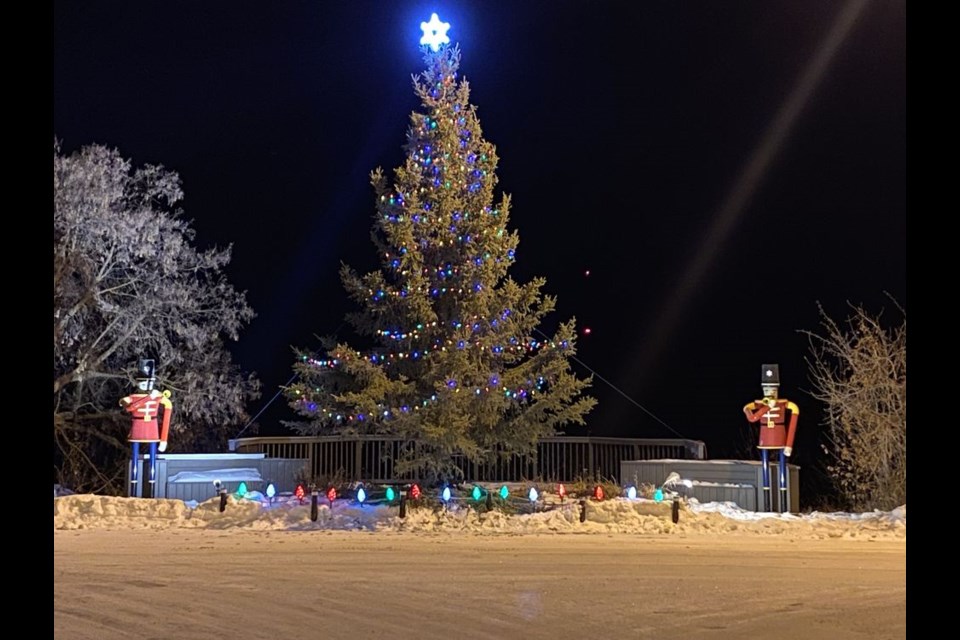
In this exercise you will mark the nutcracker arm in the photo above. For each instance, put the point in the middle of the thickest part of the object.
(754, 413)
(792, 429)
(167, 413)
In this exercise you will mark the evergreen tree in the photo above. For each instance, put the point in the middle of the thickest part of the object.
(458, 366)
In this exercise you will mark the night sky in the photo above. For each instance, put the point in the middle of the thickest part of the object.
(718, 167)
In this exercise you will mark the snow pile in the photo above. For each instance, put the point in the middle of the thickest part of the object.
(620, 515)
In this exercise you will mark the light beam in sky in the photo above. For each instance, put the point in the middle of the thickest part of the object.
(731, 210)
(434, 33)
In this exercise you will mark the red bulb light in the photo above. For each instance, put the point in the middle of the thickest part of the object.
(586, 331)
(598, 493)
(299, 492)
(331, 494)
(561, 491)
(415, 492)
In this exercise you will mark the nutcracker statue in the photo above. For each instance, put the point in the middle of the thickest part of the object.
(771, 412)
(144, 407)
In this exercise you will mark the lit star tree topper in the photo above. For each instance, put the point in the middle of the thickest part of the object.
(434, 33)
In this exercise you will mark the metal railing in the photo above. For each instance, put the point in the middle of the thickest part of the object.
(372, 459)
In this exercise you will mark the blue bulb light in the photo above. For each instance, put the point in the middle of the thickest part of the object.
(533, 494)
(632, 492)
(271, 490)
(361, 495)
(445, 496)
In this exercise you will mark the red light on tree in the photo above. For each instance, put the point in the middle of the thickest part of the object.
(598, 493)
(299, 492)
(331, 494)
(415, 492)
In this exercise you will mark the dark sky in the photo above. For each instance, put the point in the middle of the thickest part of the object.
(719, 167)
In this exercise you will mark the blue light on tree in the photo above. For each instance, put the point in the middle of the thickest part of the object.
(434, 33)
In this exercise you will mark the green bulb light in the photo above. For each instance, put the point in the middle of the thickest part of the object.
(504, 492)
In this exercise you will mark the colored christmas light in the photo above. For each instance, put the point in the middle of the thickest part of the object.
(632, 492)
(415, 492)
(658, 495)
(561, 491)
(504, 492)
(361, 495)
(331, 494)
(242, 490)
(390, 494)
(533, 495)
(271, 490)
(299, 492)
(476, 494)
(445, 494)
(598, 492)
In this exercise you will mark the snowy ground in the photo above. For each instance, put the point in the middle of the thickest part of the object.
(163, 569)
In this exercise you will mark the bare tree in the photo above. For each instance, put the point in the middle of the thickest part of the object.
(859, 372)
(128, 283)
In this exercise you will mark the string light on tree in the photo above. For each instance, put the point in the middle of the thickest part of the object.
(450, 332)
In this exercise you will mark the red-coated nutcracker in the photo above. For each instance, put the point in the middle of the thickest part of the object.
(144, 407)
(775, 433)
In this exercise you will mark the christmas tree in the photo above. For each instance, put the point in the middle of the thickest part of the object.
(457, 364)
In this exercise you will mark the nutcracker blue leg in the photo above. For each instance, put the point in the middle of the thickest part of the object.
(782, 483)
(133, 469)
(153, 462)
(765, 459)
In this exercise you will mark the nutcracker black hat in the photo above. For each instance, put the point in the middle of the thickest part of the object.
(770, 375)
(146, 370)
(146, 375)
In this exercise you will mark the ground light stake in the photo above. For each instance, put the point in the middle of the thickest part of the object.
(222, 490)
(676, 510)
(583, 510)
(314, 509)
